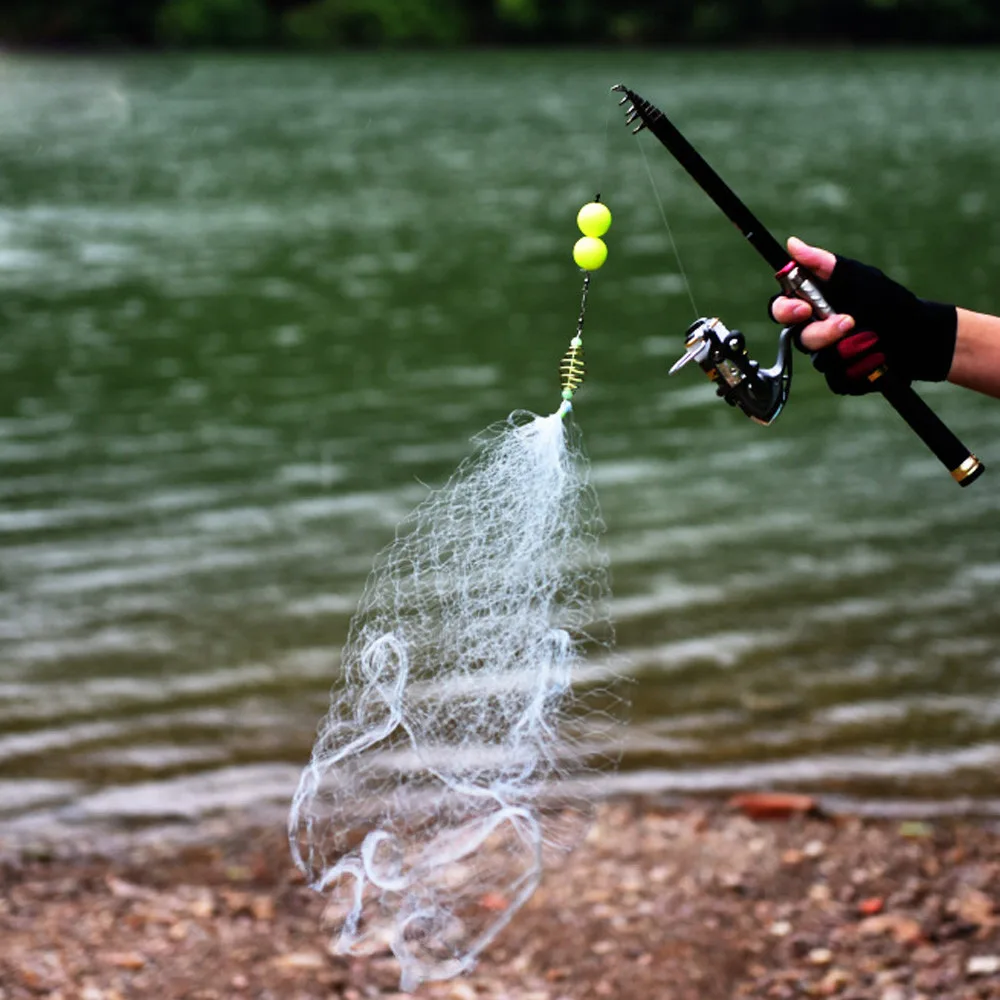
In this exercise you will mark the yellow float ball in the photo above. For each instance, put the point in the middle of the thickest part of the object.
(594, 219)
(590, 253)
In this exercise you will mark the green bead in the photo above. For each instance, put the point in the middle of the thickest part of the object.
(576, 342)
(567, 394)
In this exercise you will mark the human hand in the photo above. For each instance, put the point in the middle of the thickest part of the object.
(788, 311)
(887, 325)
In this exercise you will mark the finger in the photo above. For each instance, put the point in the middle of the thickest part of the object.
(788, 311)
(822, 334)
(820, 262)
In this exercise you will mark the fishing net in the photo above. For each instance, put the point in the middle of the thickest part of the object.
(439, 787)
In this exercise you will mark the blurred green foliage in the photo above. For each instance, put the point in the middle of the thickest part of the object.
(394, 23)
(217, 23)
(339, 23)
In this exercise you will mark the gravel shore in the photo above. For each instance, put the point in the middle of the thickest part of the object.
(708, 902)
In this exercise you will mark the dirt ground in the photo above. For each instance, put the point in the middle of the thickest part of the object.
(704, 902)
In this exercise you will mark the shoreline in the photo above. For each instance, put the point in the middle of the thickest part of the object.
(698, 899)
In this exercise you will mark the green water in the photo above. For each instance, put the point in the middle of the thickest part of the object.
(251, 305)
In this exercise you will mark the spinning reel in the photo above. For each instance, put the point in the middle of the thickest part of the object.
(740, 381)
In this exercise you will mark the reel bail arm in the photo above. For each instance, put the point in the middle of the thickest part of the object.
(721, 353)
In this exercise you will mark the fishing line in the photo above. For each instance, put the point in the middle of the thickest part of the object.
(670, 232)
(590, 252)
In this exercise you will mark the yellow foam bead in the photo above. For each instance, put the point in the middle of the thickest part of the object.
(590, 253)
(594, 219)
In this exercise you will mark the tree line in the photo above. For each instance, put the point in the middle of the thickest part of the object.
(330, 24)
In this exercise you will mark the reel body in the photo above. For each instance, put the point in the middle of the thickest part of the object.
(760, 393)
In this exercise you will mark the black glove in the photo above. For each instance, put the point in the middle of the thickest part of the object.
(912, 337)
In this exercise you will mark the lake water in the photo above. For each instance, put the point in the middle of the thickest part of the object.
(250, 306)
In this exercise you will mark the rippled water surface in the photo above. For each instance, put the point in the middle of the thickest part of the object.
(251, 306)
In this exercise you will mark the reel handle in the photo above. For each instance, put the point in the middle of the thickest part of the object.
(965, 468)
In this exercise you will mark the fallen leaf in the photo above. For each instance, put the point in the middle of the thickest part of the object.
(773, 805)
(904, 930)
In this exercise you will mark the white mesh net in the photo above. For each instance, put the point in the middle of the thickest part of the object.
(432, 797)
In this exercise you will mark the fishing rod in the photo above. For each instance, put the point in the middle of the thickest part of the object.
(762, 393)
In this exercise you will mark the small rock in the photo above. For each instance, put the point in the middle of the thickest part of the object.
(903, 929)
(894, 992)
(814, 849)
(130, 960)
(983, 965)
(127, 890)
(833, 982)
(974, 907)
(237, 903)
(296, 961)
(780, 928)
(820, 956)
(819, 892)
(926, 955)
(202, 906)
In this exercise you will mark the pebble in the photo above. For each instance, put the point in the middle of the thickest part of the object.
(833, 982)
(299, 960)
(814, 849)
(130, 960)
(975, 907)
(903, 929)
(983, 965)
(819, 892)
(894, 992)
(820, 956)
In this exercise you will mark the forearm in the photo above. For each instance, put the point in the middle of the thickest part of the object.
(976, 364)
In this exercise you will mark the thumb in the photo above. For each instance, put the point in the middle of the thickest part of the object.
(820, 262)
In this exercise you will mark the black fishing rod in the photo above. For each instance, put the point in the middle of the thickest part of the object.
(762, 394)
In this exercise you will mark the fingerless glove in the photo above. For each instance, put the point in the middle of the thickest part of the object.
(913, 337)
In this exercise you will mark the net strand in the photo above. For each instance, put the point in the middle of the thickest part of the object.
(431, 781)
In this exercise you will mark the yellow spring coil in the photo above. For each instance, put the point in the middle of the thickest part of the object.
(571, 367)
